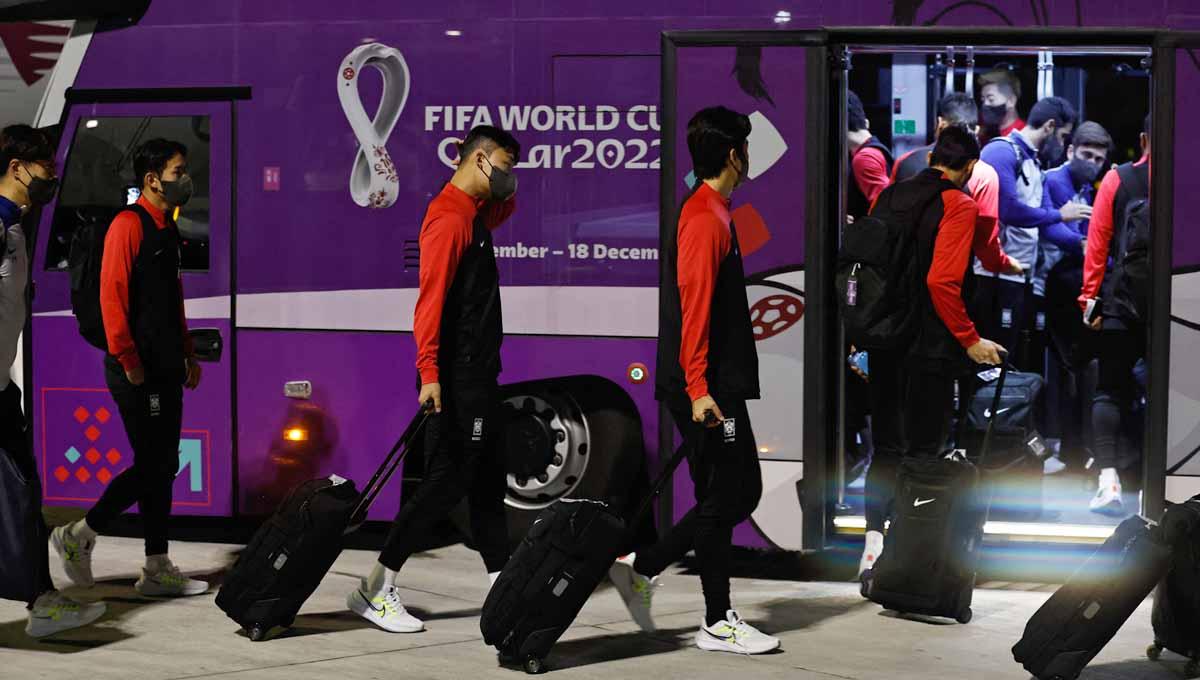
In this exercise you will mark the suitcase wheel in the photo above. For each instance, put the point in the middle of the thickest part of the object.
(534, 665)
(964, 616)
(1192, 669)
(257, 634)
(1154, 651)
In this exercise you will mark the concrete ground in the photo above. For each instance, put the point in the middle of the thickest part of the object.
(828, 631)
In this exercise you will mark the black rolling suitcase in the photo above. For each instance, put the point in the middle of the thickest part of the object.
(290, 553)
(931, 550)
(1071, 628)
(1176, 615)
(554, 570)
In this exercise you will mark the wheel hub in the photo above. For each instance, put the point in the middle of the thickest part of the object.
(547, 449)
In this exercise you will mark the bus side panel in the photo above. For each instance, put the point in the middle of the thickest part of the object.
(1183, 431)
(364, 394)
(81, 441)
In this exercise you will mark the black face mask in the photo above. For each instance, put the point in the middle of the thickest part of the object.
(1052, 152)
(993, 114)
(41, 191)
(178, 192)
(502, 183)
(1082, 172)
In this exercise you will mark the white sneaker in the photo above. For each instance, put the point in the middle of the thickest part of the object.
(734, 635)
(169, 582)
(76, 556)
(54, 612)
(1108, 498)
(383, 609)
(1053, 465)
(872, 548)
(635, 589)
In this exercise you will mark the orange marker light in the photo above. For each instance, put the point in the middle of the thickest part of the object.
(296, 434)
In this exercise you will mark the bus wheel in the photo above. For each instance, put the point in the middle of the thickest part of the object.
(571, 437)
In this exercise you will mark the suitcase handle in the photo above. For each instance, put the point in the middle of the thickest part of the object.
(399, 450)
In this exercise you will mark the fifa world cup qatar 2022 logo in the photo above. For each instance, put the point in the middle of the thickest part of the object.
(373, 179)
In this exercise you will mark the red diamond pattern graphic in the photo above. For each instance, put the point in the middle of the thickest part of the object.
(102, 415)
(113, 456)
(92, 433)
(104, 475)
(81, 414)
(82, 474)
(93, 456)
(61, 474)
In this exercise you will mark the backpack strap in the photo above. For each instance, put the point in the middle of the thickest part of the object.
(1135, 180)
(149, 226)
(1017, 152)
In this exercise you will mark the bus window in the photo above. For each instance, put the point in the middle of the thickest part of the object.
(99, 181)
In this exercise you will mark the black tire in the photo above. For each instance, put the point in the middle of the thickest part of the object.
(1154, 651)
(1192, 669)
(965, 616)
(615, 447)
(534, 666)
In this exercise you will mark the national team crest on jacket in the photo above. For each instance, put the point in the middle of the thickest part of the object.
(477, 430)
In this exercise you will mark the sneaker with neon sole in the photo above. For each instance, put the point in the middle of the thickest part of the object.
(54, 613)
(734, 635)
(635, 589)
(383, 609)
(76, 556)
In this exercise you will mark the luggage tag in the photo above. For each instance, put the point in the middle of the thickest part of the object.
(1006, 318)
(1037, 445)
(852, 288)
(989, 375)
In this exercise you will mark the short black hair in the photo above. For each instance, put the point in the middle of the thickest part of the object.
(958, 107)
(1091, 133)
(153, 156)
(1052, 108)
(856, 116)
(711, 134)
(24, 143)
(1146, 125)
(955, 148)
(489, 138)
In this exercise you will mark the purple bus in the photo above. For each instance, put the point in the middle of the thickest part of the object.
(318, 132)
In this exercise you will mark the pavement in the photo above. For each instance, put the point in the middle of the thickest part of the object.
(828, 631)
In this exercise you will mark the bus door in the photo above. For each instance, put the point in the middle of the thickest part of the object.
(79, 438)
(770, 78)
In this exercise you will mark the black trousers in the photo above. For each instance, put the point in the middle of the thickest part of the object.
(153, 417)
(1003, 309)
(912, 405)
(463, 459)
(723, 462)
(14, 440)
(1116, 389)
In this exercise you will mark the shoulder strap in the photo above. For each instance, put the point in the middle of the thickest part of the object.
(1134, 180)
(149, 227)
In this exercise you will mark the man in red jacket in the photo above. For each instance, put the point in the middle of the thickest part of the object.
(1121, 325)
(707, 370)
(912, 387)
(148, 364)
(458, 329)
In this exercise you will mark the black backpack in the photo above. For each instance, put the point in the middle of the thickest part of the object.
(877, 279)
(87, 252)
(1131, 270)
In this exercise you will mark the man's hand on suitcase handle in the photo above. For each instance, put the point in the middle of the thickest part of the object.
(987, 352)
(430, 397)
(705, 410)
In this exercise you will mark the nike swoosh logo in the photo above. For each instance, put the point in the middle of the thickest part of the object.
(987, 413)
(373, 607)
(723, 638)
(918, 502)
